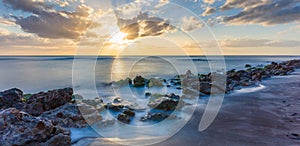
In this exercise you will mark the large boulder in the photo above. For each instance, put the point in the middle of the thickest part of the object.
(139, 81)
(20, 128)
(45, 101)
(71, 115)
(10, 97)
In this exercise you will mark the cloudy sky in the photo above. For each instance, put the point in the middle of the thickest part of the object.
(156, 27)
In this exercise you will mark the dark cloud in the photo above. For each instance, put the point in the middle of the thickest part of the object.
(143, 25)
(266, 12)
(50, 23)
(27, 5)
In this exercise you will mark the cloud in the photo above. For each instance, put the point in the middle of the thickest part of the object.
(265, 12)
(23, 44)
(209, 1)
(4, 32)
(6, 22)
(143, 25)
(162, 3)
(247, 42)
(208, 11)
(34, 6)
(190, 23)
(47, 22)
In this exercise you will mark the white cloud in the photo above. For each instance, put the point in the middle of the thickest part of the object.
(191, 23)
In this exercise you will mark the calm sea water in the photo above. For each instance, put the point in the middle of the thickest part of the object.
(33, 74)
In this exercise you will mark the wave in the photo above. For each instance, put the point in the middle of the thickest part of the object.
(250, 89)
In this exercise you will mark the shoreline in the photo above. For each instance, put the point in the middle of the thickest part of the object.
(15, 103)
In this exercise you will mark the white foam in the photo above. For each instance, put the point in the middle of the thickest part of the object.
(250, 89)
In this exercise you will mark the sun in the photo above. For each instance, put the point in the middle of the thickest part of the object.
(118, 38)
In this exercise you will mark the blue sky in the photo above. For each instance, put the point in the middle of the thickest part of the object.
(234, 27)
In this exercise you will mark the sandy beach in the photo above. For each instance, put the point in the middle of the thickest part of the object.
(270, 116)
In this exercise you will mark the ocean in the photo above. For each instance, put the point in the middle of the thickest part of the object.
(34, 74)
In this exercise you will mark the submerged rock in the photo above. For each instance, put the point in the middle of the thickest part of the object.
(20, 128)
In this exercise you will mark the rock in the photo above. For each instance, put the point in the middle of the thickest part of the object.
(58, 140)
(20, 128)
(155, 82)
(124, 118)
(114, 107)
(208, 88)
(294, 136)
(117, 100)
(129, 113)
(139, 81)
(92, 102)
(10, 97)
(188, 74)
(157, 117)
(248, 66)
(166, 103)
(125, 82)
(77, 97)
(147, 94)
(71, 116)
(45, 101)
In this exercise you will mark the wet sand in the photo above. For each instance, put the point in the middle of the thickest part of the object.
(265, 117)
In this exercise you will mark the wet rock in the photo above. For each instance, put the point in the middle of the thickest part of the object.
(188, 74)
(124, 118)
(129, 113)
(157, 117)
(208, 88)
(294, 136)
(71, 115)
(147, 94)
(124, 82)
(10, 97)
(20, 128)
(114, 107)
(155, 82)
(166, 103)
(117, 100)
(139, 81)
(45, 101)
(93, 102)
(248, 66)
